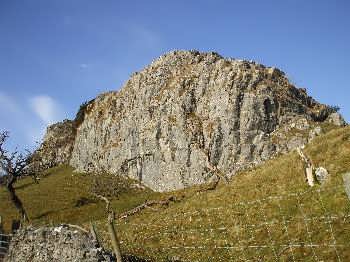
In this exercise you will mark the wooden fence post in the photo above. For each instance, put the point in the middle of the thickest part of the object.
(111, 228)
(1, 226)
(309, 167)
(114, 238)
(93, 233)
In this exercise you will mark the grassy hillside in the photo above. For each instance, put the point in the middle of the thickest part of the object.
(257, 216)
(64, 197)
(265, 214)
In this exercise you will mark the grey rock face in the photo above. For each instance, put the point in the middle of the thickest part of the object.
(58, 143)
(187, 112)
(54, 244)
(336, 119)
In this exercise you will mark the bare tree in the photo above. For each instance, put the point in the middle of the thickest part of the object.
(16, 165)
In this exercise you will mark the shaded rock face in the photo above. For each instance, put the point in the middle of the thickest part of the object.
(54, 244)
(58, 143)
(189, 113)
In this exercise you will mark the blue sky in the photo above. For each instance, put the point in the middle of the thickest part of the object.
(56, 54)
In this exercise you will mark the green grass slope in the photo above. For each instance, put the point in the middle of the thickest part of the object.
(62, 196)
(264, 214)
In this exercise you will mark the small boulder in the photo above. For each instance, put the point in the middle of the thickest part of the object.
(61, 243)
(321, 174)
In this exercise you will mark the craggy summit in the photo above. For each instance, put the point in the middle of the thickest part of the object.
(186, 119)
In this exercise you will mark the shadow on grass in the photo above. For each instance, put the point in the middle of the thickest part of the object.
(24, 185)
(44, 214)
(131, 258)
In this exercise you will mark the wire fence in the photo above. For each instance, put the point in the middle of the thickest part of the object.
(311, 225)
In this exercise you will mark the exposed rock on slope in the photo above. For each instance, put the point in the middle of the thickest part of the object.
(59, 139)
(336, 119)
(54, 244)
(58, 143)
(189, 115)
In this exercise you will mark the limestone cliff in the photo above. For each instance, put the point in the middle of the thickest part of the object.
(58, 143)
(188, 116)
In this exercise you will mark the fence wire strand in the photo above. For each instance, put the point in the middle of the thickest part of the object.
(238, 237)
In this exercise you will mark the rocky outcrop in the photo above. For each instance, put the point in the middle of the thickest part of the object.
(189, 113)
(57, 144)
(55, 244)
(336, 119)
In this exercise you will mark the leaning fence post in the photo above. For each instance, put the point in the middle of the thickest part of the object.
(93, 233)
(309, 167)
(1, 226)
(114, 238)
(111, 228)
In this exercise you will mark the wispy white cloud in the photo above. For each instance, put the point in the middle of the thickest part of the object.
(84, 66)
(27, 121)
(46, 108)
